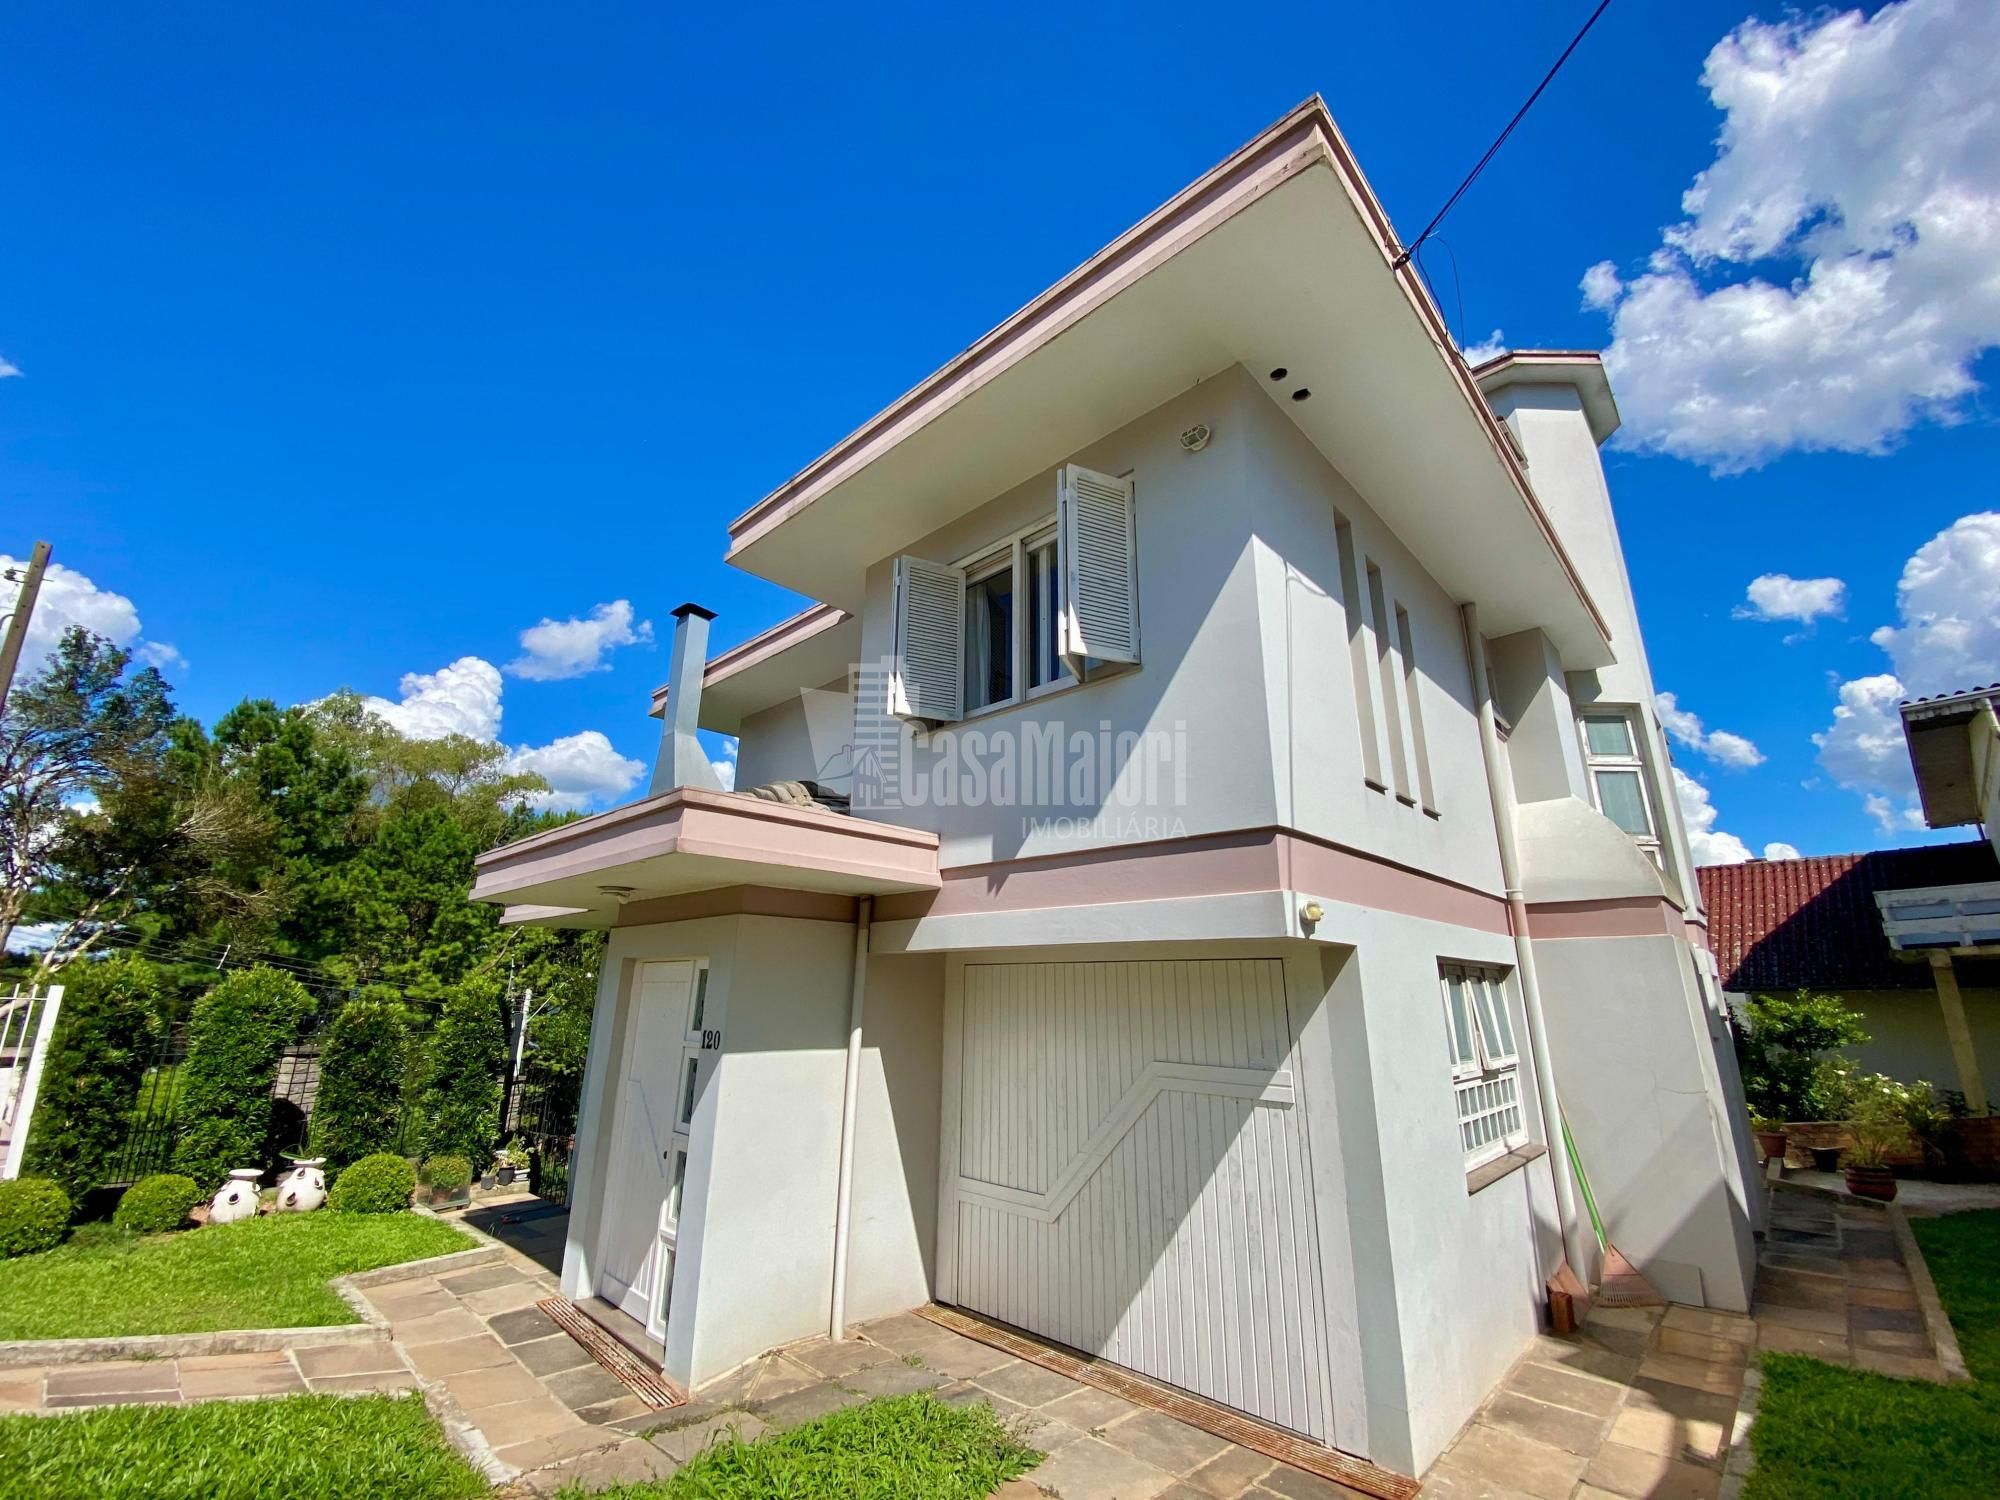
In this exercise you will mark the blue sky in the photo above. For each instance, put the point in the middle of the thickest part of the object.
(354, 343)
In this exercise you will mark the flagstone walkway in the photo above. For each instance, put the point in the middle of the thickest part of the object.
(1644, 1402)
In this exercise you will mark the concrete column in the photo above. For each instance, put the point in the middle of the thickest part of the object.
(1960, 1035)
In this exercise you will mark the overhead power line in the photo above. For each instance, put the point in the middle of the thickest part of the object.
(1501, 139)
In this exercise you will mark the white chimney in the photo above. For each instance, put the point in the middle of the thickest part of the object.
(682, 761)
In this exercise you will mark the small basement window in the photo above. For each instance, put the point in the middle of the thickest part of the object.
(1485, 1062)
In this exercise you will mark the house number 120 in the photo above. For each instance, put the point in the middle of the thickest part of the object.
(710, 1040)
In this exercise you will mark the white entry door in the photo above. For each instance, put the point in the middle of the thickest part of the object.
(1132, 1175)
(659, 1076)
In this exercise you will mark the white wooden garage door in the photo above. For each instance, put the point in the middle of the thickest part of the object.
(1132, 1175)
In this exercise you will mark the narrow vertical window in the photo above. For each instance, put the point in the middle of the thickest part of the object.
(1358, 656)
(1392, 714)
(1425, 791)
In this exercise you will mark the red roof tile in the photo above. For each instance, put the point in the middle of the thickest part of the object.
(1786, 924)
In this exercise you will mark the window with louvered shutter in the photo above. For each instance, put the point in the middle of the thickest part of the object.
(929, 680)
(1100, 606)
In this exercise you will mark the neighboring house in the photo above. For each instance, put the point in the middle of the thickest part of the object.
(1783, 925)
(1216, 806)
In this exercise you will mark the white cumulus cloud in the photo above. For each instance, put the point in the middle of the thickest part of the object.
(1832, 280)
(1779, 596)
(580, 769)
(69, 598)
(1707, 844)
(1780, 851)
(1719, 745)
(1948, 639)
(1491, 347)
(556, 649)
(463, 698)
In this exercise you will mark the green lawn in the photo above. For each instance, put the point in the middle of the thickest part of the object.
(1825, 1433)
(298, 1447)
(900, 1447)
(263, 1273)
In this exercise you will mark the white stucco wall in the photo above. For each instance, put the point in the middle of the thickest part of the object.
(893, 1233)
(1450, 1282)
(756, 1231)
(1631, 1047)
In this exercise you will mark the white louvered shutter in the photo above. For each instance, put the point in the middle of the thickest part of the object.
(929, 680)
(1100, 614)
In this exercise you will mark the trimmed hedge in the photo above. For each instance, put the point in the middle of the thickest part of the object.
(107, 1032)
(34, 1212)
(461, 1103)
(379, 1184)
(360, 1082)
(156, 1204)
(240, 1029)
(448, 1174)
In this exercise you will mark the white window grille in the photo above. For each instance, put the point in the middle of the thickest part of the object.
(1485, 1062)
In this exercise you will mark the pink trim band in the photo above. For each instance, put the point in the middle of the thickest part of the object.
(1263, 859)
(1637, 916)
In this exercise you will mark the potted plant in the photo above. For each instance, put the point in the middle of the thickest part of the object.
(1770, 1135)
(506, 1164)
(447, 1181)
(1867, 1165)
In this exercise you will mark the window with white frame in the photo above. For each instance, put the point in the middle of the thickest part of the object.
(1030, 613)
(1013, 594)
(1485, 1064)
(1618, 776)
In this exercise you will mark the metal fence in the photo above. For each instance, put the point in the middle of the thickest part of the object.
(539, 1112)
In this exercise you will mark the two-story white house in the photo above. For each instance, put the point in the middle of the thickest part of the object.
(1214, 812)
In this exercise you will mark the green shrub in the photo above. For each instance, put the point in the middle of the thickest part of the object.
(34, 1212)
(240, 1029)
(448, 1174)
(1780, 1050)
(360, 1082)
(461, 1101)
(106, 1033)
(155, 1204)
(379, 1184)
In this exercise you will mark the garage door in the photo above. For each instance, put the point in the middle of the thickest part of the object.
(1132, 1175)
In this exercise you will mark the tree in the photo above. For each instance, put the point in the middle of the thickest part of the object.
(106, 1034)
(317, 800)
(408, 920)
(359, 1104)
(1781, 1046)
(461, 1100)
(75, 729)
(240, 1029)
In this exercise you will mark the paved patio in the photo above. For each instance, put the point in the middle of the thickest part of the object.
(1643, 1402)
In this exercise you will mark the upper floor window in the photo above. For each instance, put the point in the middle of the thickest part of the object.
(1618, 776)
(1031, 612)
(1485, 1063)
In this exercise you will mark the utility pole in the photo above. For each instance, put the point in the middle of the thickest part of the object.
(24, 609)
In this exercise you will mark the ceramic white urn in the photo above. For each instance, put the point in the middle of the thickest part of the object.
(302, 1189)
(238, 1198)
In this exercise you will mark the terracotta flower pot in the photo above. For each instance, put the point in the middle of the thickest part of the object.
(1771, 1143)
(1871, 1182)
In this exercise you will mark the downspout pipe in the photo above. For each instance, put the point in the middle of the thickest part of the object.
(1577, 1246)
(844, 1190)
